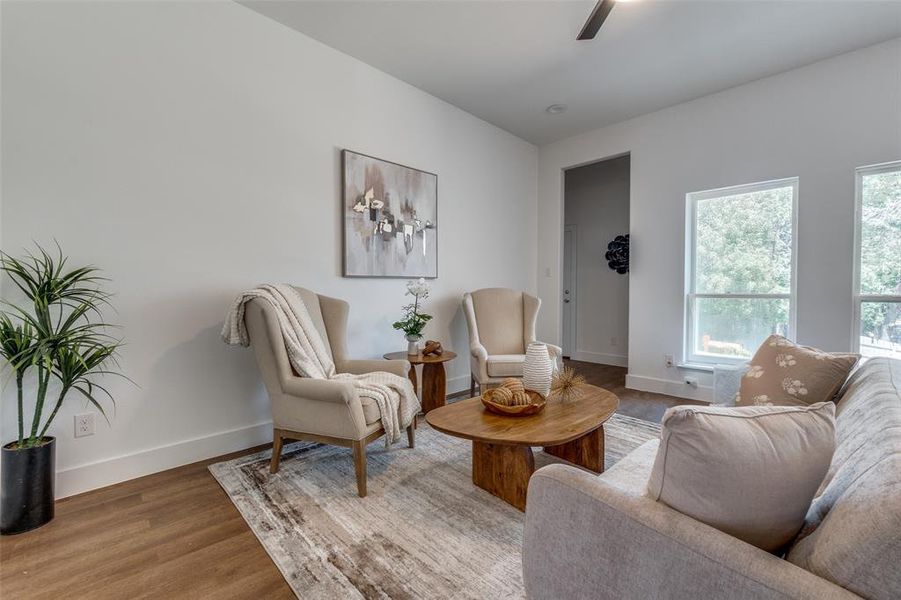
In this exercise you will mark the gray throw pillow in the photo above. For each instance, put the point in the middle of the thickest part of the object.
(750, 472)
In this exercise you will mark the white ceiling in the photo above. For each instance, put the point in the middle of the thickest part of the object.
(505, 61)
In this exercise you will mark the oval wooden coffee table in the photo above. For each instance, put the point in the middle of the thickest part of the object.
(502, 459)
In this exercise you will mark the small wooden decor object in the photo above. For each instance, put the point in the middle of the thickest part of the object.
(511, 398)
(432, 347)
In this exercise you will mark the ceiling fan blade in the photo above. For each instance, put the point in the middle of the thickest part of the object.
(596, 19)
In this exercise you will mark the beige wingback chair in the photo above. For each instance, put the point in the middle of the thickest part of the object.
(501, 325)
(318, 410)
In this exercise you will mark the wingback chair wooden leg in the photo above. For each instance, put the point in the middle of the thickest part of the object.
(276, 450)
(359, 447)
(411, 434)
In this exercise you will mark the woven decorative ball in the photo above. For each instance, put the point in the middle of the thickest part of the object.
(520, 399)
(514, 385)
(503, 396)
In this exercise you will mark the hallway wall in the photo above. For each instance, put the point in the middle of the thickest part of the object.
(596, 206)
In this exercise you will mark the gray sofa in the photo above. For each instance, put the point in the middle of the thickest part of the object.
(589, 536)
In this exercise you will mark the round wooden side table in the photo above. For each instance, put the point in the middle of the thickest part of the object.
(434, 378)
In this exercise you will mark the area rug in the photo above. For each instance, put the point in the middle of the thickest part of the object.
(424, 530)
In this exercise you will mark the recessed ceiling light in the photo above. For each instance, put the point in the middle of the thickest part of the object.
(555, 109)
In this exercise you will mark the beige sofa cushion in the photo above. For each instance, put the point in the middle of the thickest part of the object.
(506, 365)
(750, 472)
(852, 536)
(783, 373)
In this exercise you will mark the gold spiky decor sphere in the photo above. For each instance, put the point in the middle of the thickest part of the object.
(567, 385)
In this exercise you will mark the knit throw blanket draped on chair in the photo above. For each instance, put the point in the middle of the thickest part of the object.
(394, 395)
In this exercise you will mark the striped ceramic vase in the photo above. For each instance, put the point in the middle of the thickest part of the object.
(537, 369)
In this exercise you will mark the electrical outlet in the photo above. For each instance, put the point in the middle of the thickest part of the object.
(668, 360)
(84, 425)
(614, 341)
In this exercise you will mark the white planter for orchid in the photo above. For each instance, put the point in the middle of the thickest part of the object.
(537, 369)
(413, 344)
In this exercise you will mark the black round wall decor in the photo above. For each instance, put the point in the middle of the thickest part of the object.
(617, 254)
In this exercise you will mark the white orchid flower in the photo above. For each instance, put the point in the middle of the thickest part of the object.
(419, 288)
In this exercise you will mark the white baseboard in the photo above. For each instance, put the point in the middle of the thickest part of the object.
(617, 360)
(457, 384)
(90, 476)
(669, 387)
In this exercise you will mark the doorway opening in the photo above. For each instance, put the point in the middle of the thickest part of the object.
(595, 297)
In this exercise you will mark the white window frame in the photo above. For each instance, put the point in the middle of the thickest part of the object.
(689, 329)
(857, 297)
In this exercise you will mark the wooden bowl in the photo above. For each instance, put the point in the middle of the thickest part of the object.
(537, 405)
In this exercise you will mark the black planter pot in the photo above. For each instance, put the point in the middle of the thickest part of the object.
(26, 497)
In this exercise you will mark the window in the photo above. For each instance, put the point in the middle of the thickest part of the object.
(740, 275)
(877, 272)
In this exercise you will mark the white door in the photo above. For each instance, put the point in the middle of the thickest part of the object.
(569, 292)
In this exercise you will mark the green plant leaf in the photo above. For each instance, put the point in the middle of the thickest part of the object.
(60, 332)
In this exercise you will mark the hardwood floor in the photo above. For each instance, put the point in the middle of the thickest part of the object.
(641, 405)
(175, 534)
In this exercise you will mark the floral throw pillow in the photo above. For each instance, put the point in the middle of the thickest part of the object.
(783, 373)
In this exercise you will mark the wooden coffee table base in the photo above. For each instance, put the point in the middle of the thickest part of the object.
(502, 459)
(586, 451)
(504, 470)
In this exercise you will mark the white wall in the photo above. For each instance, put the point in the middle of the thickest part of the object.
(596, 206)
(818, 123)
(191, 150)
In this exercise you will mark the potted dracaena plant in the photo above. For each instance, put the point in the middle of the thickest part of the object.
(55, 333)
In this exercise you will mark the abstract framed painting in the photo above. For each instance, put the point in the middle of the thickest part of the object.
(390, 216)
